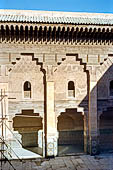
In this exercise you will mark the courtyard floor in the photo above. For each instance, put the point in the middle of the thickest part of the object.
(83, 162)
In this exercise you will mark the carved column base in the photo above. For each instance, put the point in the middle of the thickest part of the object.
(52, 145)
(93, 148)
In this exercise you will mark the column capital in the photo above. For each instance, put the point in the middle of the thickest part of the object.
(92, 73)
(49, 73)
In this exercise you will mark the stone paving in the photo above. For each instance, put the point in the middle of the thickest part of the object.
(84, 162)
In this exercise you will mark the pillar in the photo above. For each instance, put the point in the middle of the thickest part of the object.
(92, 116)
(85, 133)
(52, 135)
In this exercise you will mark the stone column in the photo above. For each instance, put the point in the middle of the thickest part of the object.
(92, 116)
(85, 133)
(52, 135)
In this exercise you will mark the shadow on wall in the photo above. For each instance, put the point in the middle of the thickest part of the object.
(104, 108)
(66, 124)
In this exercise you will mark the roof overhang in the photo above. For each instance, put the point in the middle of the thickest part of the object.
(28, 16)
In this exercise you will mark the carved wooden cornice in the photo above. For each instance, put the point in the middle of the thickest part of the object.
(51, 34)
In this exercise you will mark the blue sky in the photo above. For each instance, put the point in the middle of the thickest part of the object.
(105, 6)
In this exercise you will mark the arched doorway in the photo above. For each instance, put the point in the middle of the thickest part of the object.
(28, 124)
(71, 132)
(106, 131)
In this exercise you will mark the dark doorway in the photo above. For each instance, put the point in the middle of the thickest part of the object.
(71, 133)
(106, 131)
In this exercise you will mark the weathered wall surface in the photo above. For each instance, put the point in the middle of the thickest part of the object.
(25, 70)
(71, 71)
(68, 63)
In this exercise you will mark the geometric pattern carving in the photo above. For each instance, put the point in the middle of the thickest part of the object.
(25, 64)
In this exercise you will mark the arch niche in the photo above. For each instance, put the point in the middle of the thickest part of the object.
(71, 132)
(106, 130)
